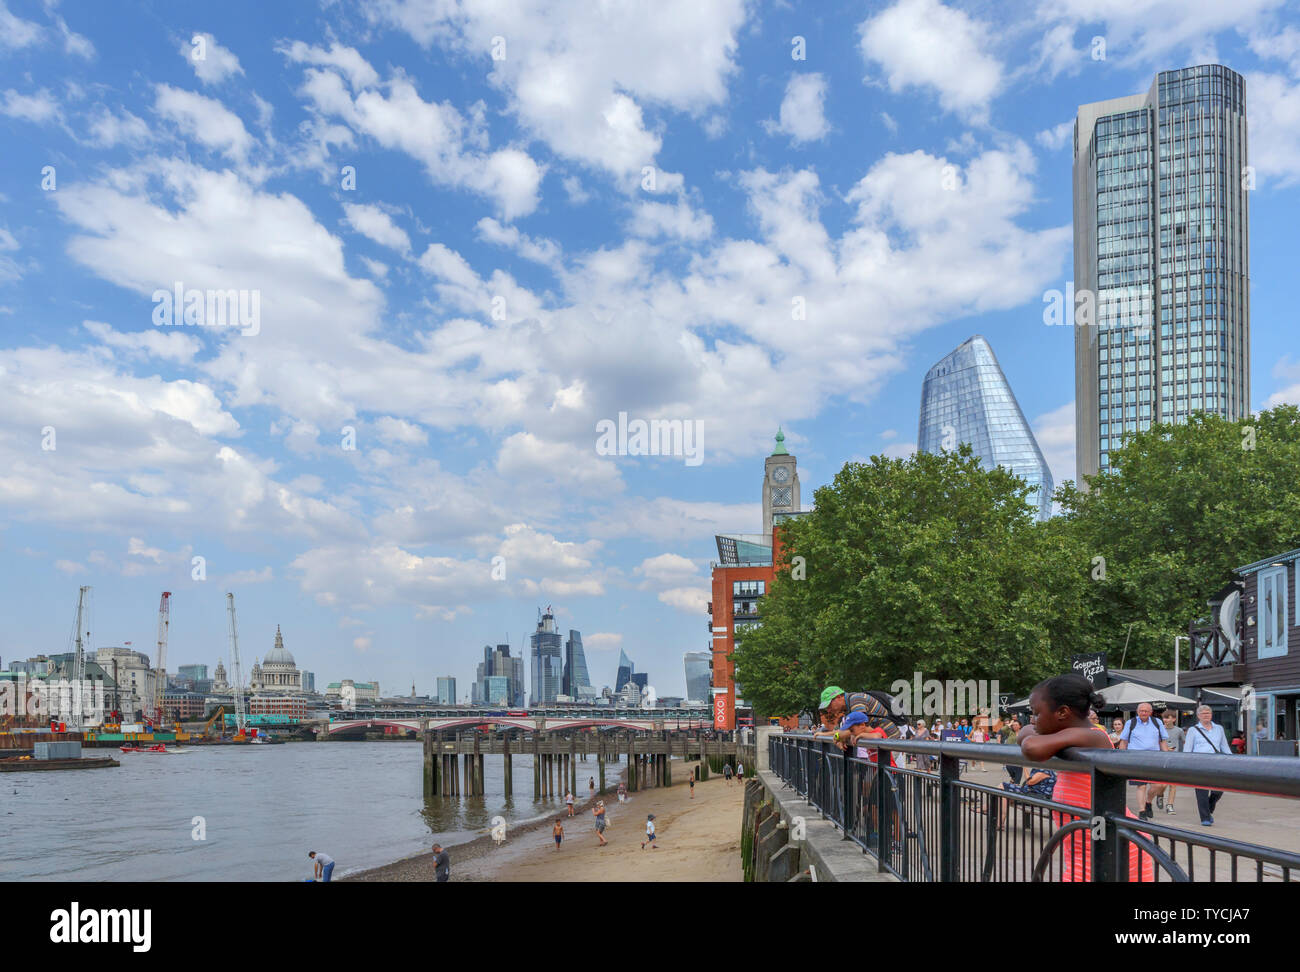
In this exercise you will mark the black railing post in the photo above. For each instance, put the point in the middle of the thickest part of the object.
(949, 817)
(1109, 855)
(884, 819)
(845, 794)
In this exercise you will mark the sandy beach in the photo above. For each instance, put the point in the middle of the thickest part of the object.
(699, 840)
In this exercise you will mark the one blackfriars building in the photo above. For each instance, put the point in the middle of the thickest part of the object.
(966, 398)
(1161, 241)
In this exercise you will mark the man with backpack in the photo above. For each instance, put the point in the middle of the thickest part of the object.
(1144, 733)
(835, 704)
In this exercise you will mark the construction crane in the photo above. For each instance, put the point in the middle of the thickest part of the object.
(238, 669)
(76, 715)
(219, 714)
(160, 681)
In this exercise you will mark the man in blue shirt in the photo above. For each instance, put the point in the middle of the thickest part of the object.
(1207, 737)
(1144, 733)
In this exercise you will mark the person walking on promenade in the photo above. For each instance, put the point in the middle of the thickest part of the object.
(441, 864)
(1163, 793)
(691, 780)
(726, 773)
(568, 801)
(649, 833)
(1116, 727)
(977, 735)
(740, 772)
(1144, 734)
(324, 866)
(599, 812)
(558, 831)
(922, 734)
(1207, 737)
(1060, 707)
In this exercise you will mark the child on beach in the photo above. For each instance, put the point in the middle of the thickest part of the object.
(599, 811)
(568, 799)
(558, 832)
(649, 833)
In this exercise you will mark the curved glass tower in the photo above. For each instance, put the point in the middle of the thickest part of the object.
(966, 398)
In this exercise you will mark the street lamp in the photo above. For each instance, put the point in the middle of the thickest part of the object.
(1177, 638)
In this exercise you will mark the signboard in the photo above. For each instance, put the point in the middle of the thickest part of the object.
(951, 735)
(722, 711)
(1092, 666)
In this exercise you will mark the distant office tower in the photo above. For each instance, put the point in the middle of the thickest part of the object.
(193, 672)
(548, 663)
(966, 398)
(698, 667)
(446, 690)
(309, 682)
(496, 690)
(577, 682)
(499, 663)
(624, 675)
(1161, 241)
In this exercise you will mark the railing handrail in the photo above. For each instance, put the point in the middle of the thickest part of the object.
(1267, 775)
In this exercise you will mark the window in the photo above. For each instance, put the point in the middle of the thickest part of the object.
(748, 588)
(1272, 616)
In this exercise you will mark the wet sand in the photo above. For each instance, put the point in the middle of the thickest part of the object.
(699, 840)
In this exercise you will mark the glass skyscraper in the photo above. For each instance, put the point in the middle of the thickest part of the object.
(577, 683)
(548, 664)
(1161, 245)
(966, 398)
(625, 668)
(698, 682)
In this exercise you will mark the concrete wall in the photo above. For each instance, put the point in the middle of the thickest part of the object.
(784, 838)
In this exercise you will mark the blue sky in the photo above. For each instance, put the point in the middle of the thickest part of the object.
(445, 211)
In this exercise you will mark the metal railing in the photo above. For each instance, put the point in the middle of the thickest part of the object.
(932, 825)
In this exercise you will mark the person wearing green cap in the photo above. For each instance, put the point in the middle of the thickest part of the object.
(836, 704)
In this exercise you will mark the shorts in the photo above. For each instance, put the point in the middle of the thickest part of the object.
(600, 825)
(557, 840)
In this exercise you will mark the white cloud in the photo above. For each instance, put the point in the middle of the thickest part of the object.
(108, 129)
(546, 252)
(602, 640)
(16, 33)
(211, 62)
(922, 43)
(1287, 373)
(691, 600)
(579, 78)
(667, 568)
(1054, 431)
(37, 108)
(448, 144)
(676, 221)
(1056, 137)
(803, 115)
(375, 224)
(1274, 127)
(205, 120)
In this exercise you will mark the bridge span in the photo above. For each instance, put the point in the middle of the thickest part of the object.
(525, 723)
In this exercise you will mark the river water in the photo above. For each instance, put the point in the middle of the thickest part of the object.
(263, 809)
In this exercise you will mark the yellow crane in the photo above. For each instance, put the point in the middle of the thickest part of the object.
(219, 714)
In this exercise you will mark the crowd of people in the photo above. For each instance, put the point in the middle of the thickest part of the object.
(1056, 705)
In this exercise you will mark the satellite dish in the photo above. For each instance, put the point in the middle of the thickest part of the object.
(1229, 617)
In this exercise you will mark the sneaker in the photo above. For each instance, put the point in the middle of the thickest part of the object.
(1207, 823)
(1160, 802)
(1145, 815)
(1170, 809)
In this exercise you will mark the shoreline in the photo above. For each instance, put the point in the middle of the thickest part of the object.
(419, 867)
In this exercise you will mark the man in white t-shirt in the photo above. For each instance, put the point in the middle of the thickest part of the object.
(1207, 737)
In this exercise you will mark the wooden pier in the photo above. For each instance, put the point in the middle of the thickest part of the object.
(453, 762)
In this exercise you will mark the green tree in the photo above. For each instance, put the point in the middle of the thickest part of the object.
(1180, 508)
(929, 564)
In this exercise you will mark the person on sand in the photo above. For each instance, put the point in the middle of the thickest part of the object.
(324, 866)
(598, 811)
(726, 773)
(441, 864)
(568, 800)
(740, 770)
(1060, 707)
(591, 786)
(558, 832)
(691, 780)
(622, 793)
(649, 833)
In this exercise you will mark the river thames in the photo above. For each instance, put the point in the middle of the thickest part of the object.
(262, 808)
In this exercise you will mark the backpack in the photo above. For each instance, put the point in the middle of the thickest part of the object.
(887, 700)
(1132, 724)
